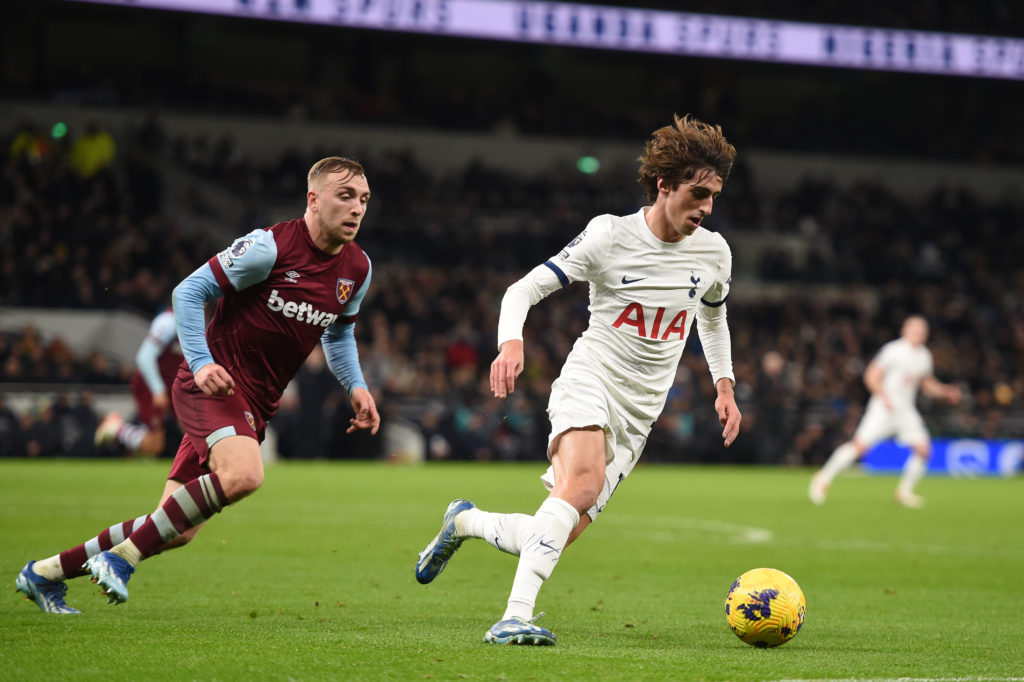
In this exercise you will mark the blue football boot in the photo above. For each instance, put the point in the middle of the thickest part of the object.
(111, 573)
(520, 631)
(47, 594)
(435, 556)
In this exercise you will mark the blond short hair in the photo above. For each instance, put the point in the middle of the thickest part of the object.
(333, 164)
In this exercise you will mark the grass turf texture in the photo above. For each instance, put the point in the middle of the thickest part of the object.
(312, 578)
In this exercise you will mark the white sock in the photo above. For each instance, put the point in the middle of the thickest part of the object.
(504, 531)
(131, 435)
(545, 539)
(913, 471)
(128, 551)
(49, 568)
(842, 457)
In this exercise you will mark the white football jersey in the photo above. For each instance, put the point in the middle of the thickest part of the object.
(904, 366)
(644, 296)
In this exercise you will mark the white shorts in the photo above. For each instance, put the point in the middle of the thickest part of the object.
(581, 400)
(879, 423)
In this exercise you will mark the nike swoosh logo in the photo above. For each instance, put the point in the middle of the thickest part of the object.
(630, 281)
(552, 548)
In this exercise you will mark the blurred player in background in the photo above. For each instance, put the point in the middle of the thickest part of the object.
(893, 377)
(281, 290)
(156, 364)
(650, 275)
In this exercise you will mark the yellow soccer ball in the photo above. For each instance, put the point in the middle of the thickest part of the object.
(765, 607)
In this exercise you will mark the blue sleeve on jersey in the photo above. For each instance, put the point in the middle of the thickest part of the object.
(146, 362)
(189, 298)
(339, 342)
(357, 299)
(249, 259)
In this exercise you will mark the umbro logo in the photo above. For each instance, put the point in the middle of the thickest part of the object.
(630, 281)
(291, 276)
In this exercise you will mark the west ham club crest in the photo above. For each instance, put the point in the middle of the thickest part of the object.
(344, 289)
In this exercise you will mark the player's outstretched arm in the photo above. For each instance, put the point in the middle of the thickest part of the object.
(728, 413)
(365, 408)
(515, 304)
(189, 299)
(506, 367)
(936, 389)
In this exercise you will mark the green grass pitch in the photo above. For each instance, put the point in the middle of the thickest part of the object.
(312, 578)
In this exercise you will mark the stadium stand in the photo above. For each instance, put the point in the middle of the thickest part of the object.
(156, 162)
(450, 245)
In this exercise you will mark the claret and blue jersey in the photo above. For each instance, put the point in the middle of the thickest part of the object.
(281, 296)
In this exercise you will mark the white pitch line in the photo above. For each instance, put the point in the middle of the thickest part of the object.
(743, 534)
(905, 679)
(874, 546)
(738, 533)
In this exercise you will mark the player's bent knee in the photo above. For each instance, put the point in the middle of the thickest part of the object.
(588, 500)
(581, 498)
(237, 463)
(238, 484)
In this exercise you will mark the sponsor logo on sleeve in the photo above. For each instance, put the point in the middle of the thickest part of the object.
(564, 253)
(238, 249)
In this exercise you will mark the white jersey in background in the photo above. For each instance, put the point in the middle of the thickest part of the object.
(904, 366)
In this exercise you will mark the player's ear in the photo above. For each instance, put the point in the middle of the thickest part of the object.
(663, 186)
(311, 200)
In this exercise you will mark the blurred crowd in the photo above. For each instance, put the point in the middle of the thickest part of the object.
(444, 249)
(81, 222)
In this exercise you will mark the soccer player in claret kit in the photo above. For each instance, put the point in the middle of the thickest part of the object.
(156, 366)
(650, 274)
(282, 290)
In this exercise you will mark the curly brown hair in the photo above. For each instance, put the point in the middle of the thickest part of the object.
(334, 164)
(677, 153)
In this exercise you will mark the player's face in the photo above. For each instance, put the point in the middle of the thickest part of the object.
(339, 204)
(915, 331)
(687, 204)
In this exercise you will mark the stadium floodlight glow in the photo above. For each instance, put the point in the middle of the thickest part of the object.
(644, 30)
(588, 165)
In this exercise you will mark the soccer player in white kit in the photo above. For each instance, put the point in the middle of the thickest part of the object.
(650, 275)
(893, 377)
